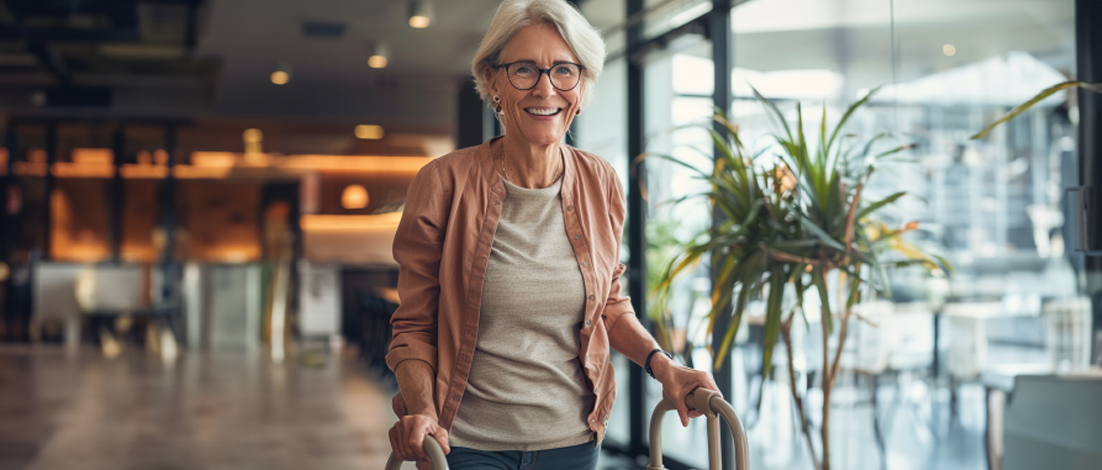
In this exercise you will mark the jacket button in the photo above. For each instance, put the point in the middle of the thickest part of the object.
(569, 208)
(577, 236)
(587, 323)
(585, 263)
(591, 297)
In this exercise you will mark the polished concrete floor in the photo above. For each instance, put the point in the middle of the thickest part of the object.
(61, 410)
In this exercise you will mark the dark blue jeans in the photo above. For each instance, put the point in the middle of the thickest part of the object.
(579, 457)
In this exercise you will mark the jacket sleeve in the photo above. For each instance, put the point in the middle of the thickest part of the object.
(617, 304)
(418, 244)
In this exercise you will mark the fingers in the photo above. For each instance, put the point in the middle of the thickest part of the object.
(683, 413)
(441, 437)
(424, 465)
(398, 443)
(395, 443)
(415, 442)
(407, 438)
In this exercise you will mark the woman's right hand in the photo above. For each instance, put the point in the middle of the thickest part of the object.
(408, 435)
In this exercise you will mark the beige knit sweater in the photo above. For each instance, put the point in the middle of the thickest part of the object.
(527, 390)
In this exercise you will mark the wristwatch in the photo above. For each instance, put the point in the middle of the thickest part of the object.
(646, 364)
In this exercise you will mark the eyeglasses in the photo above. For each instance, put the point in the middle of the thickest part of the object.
(525, 75)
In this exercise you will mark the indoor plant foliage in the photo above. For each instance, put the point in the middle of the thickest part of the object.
(796, 221)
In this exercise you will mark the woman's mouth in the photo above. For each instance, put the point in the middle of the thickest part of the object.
(543, 111)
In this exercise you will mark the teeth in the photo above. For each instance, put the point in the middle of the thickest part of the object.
(543, 111)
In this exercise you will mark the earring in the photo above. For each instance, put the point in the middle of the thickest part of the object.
(577, 112)
(497, 104)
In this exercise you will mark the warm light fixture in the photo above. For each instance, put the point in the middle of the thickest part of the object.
(354, 196)
(369, 132)
(420, 13)
(254, 140)
(949, 49)
(282, 74)
(378, 59)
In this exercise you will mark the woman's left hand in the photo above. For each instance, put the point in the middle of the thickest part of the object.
(678, 381)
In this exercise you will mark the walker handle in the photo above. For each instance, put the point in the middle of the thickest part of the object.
(431, 447)
(712, 404)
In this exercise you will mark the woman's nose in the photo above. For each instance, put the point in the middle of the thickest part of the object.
(543, 87)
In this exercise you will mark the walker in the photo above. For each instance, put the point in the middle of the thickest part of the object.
(708, 402)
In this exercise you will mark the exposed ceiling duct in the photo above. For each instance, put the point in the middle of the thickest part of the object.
(76, 53)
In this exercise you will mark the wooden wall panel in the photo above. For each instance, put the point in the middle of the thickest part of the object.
(220, 220)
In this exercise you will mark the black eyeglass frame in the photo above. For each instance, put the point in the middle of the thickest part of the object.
(542, 72)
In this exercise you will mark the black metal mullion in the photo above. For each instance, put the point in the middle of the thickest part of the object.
(7, 220)
(118, 148)
(168, 224)
(721, 36)
(1088, 14)
(50, 182)
(637, 222)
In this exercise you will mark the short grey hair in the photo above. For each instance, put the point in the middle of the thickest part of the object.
(514, 15)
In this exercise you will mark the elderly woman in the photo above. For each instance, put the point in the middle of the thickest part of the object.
(510, 271)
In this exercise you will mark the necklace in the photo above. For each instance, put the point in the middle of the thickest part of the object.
(506, 172)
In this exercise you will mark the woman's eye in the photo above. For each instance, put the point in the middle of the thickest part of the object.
(564, 70)
(523, 70)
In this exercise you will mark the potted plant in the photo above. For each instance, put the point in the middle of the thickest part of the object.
(793, 219)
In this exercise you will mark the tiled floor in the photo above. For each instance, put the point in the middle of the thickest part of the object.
(61, 411)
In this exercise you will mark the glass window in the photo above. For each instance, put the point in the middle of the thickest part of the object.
(992, 207)
(677, 104)
(663, 16)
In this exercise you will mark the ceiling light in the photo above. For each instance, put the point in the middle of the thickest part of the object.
(949, 49)
(282, 73)
(369, 132)
(378, 59)
(420, 13)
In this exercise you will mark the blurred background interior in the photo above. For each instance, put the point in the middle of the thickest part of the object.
(200, 198)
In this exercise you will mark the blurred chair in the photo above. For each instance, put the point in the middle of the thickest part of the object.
(1068, 332)
(376, 307)
(54, 300)
(968, 336)
(1038, 418)
(888, 340)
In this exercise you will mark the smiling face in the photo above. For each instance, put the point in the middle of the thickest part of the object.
(539, 116)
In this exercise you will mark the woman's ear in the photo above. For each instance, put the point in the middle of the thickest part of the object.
(488, 77)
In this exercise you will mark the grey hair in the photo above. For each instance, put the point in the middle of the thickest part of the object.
(513, 15)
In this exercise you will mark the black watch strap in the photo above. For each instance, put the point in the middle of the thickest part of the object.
(646, 364)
